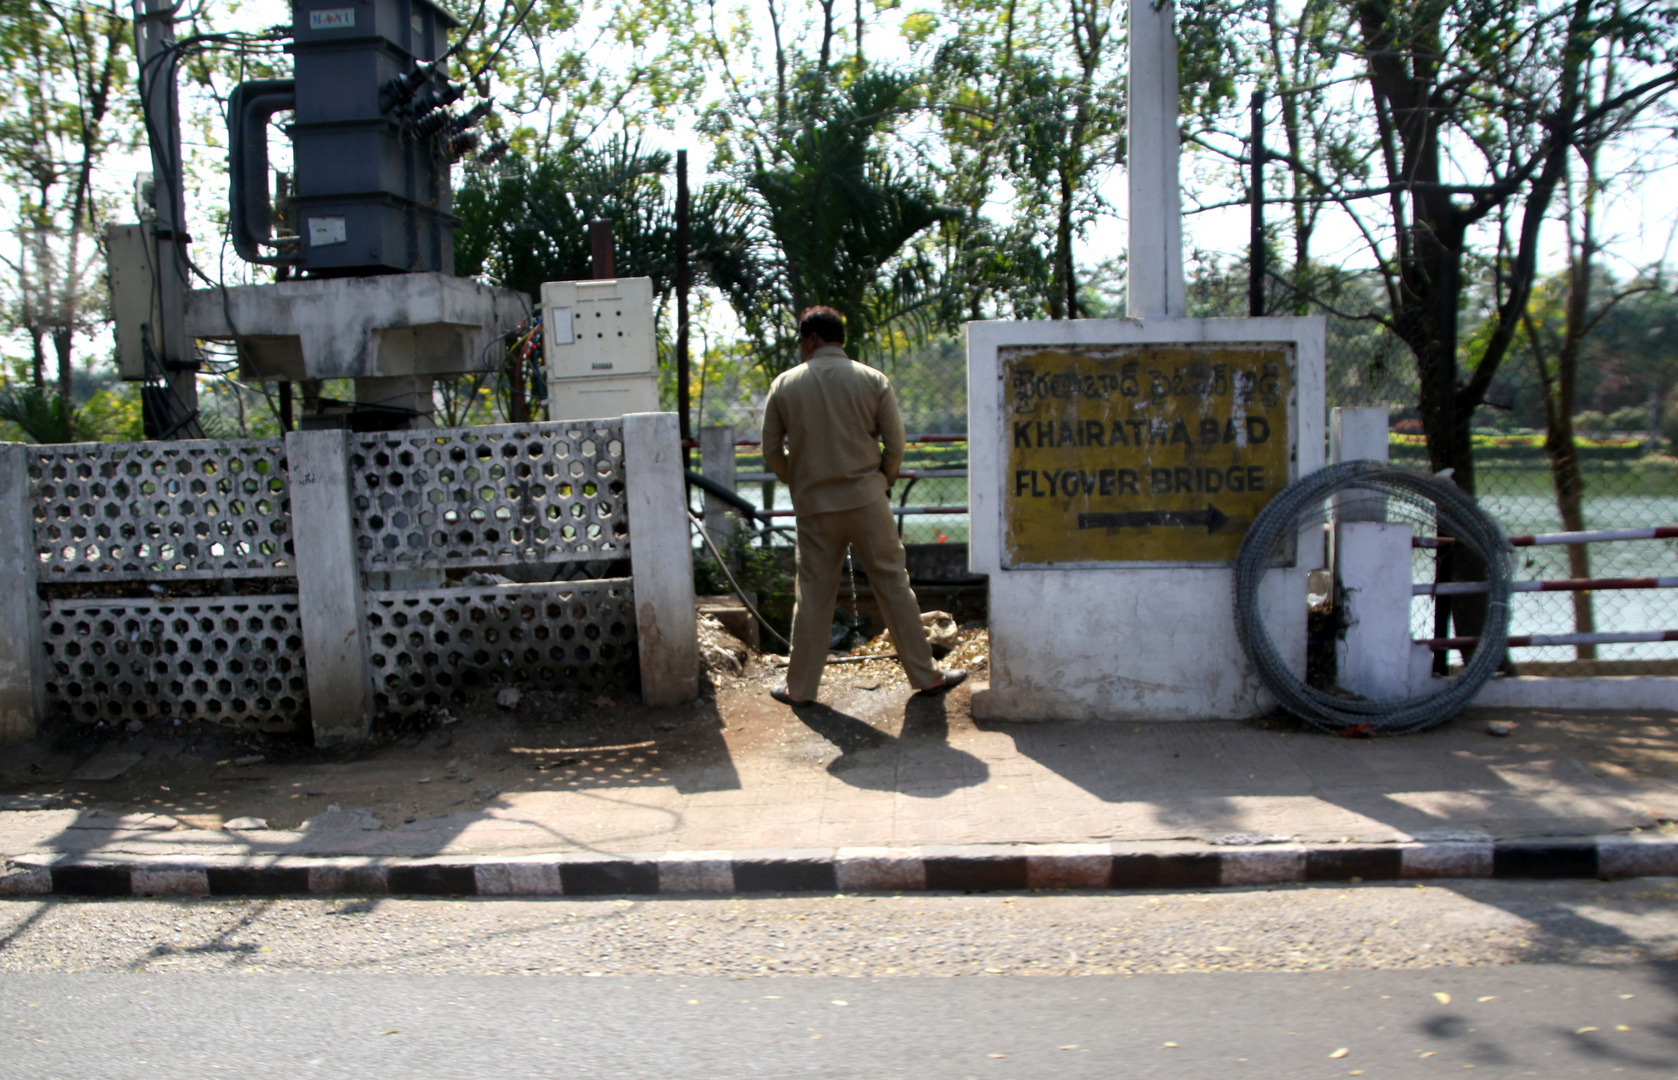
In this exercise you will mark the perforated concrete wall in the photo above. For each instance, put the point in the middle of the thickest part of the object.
(489, 496)
(429, 647)
(141, 568)
(232, 659)
(156, 511)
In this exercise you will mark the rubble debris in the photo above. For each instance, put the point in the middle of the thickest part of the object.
(245, 824)
(720, 650)
(508, 697)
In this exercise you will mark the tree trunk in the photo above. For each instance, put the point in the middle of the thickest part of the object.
(66, 370)
(1570, 500)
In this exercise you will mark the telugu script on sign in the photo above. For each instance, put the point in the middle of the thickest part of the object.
(1141, 453)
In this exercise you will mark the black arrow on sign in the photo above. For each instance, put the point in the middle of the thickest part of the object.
(1211, 517)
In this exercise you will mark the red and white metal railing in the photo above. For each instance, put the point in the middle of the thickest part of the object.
(1664, 532)
(1470, 588)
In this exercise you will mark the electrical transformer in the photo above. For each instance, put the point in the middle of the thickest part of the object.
(373, 136)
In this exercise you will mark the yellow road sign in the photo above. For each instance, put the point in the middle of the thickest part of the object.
(1141, 453)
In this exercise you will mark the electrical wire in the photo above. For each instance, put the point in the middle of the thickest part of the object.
(699, 525)
(1427, 501)
(508, 36)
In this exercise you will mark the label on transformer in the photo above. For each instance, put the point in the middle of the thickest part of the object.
(332, 19)
(326, 230)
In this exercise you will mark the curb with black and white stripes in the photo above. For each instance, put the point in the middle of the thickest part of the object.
(975, 868)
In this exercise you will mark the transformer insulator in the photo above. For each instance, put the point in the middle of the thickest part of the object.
(473, 115)
(432, 123)
(494, 152)
(463, 144)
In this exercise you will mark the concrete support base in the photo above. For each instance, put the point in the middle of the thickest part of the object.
(22, 670)
(329, 587)
(661, 557)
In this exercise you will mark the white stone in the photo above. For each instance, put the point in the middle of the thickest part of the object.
(716, 462)
(1269, 865)
(696, 872)
(1448, 860)
(1636, 856)
(245, 824)
(1373, 562)
(879, 869)
(1621, 693)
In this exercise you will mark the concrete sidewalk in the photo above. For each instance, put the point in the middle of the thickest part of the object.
(876, 768)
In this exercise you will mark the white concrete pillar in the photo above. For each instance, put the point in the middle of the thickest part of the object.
(329, 586)
(1374, 564)
(1155, 286)
(716, 463)
(661, 558)
(23, 695)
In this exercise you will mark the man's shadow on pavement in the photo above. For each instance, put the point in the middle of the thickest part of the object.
(919, 762)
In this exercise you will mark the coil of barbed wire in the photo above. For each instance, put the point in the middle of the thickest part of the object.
(1430, 504)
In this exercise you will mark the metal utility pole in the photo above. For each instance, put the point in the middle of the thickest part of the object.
(683, 405)
(1257, 254)
(170, 410)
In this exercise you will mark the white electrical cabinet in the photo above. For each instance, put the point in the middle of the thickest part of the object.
(131, 253)
(599, 347)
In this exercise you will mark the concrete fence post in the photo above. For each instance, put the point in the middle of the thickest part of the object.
(22, 672)
(661, 557)
(329, 586)
(1373, 563)
(716, 463)
(1358, 435)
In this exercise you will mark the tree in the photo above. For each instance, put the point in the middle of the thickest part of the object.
(1476, 106)
(1556, 326)
(839, 217)
(66, 111)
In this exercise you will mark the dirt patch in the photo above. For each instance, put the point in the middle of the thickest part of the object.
(448, 761)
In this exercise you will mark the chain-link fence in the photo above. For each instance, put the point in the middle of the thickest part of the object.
(930, 381)
(1628, 483)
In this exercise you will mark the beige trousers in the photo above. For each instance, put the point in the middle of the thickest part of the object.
(822, 539)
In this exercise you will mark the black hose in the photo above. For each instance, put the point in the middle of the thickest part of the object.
(711, 487)
(1431, 499)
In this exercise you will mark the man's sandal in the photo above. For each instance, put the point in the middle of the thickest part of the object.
(952, 678)
(784, 696)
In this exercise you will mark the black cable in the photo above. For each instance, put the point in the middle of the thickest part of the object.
(694, 521)
(464, 34)
(508, 36)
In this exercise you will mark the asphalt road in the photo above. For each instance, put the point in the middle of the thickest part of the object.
(1563, 979)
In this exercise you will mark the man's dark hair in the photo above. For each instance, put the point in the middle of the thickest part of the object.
(823, 322)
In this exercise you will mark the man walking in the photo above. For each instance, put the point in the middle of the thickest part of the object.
(823, 426)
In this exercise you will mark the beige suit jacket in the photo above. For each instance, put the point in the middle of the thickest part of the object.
(823, 429)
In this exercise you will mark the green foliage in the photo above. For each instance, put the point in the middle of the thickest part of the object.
(526, 221)
(842, 216)
(766, 572)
